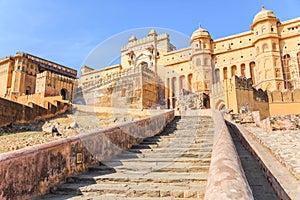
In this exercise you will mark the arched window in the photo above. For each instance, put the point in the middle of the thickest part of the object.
(274, 46)
(257, 50)
(190, 77)
(206, 61)
(252, 71)
(198, 62)
(243, 70)
(217, 75)
(272, 29)
(181, 83)
(224, 73)
(286, 71)
(64, 94)
(28, 90)
(174, 81)
(233, 70)
(123, 93)
(265, 48)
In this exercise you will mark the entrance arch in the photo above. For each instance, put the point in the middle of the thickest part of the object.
(64, 94)
(220, 105)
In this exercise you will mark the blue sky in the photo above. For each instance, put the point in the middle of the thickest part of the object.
(66, 31)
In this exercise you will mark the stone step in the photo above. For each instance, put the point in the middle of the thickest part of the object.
(101, 169)
(106, 197)
(171, 165)
(178, 154)
(179, 145)
(147, 160)
(133, 190)
(140, 177)
(170, 149)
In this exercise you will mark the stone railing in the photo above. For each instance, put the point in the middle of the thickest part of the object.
(226, 179)
(31, 171)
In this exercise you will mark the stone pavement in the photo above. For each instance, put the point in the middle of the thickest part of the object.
(171, 165)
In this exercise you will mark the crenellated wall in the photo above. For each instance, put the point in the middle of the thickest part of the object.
(284, 102)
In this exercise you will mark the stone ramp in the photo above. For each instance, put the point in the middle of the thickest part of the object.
(173, 164)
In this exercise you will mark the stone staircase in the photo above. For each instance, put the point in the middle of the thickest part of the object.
(171, 165)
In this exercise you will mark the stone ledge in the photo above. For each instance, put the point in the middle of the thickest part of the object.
(226, 179)
(284, 183)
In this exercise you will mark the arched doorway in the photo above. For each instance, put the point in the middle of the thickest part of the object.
(286, 71)
(64, 94)
(217, 75)
(224, 73)
(144, 64)
(233, 70)
(190, 77)
(181, 84)
(243, 70)
(252, 72)
(28, 90)
(220, 105)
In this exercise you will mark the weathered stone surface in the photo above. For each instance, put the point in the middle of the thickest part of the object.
(284, 144)
(171, 165)
(54, 161)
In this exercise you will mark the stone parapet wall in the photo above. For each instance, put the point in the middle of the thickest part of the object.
(226, 179)
(12, 112)
(284, 96)
(32, 171)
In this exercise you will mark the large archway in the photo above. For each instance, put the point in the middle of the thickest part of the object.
(220, 105)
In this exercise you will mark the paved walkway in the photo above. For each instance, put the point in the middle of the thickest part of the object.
(173, 165)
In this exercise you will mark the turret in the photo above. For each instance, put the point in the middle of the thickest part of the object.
(201, 59)
(266, 73)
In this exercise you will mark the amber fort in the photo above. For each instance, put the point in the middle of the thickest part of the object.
(218, 119)
(225, 73)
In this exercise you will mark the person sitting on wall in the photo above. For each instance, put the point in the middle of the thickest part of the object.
(54, 130)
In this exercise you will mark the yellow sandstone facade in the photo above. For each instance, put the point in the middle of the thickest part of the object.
(29, 79)
(202, 75)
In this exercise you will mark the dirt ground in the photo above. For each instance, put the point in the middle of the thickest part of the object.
(18, 136)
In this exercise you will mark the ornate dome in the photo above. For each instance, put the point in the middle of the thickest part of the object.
(200, 32)
(263, 14)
